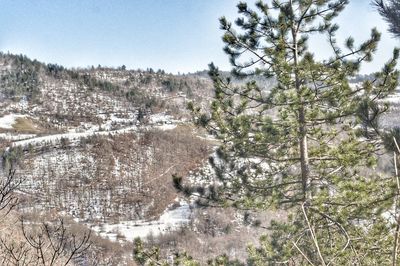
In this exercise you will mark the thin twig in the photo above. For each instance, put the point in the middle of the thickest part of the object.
(313, 235)
(301, 252)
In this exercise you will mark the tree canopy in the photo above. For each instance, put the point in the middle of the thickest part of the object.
(307, 145)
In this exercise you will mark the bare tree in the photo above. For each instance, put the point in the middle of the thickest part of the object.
(8, 184)
(51, 244)
(15, 253)
(42, 244)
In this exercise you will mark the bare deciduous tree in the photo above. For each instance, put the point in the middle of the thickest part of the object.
(49, 244)
(8, 184)
(42, 244)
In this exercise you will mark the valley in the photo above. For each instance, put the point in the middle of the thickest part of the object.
(98, 148)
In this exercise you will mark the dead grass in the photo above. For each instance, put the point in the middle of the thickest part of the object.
(26, 125)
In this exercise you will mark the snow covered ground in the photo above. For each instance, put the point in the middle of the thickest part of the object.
(8, 121)
(162, 118)
(128, 230)
(171, 219)
(394, 98)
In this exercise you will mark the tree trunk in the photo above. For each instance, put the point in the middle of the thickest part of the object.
(303, 147)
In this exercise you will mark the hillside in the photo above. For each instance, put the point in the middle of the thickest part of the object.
(98, 147)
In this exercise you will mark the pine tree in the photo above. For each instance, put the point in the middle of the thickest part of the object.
(390, 11)
(308, 145)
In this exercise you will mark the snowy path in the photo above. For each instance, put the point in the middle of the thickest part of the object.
(76, 136)
(15, 137)
(69, 136)
(159, 121)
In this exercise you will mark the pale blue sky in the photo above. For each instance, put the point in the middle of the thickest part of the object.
(175, 35)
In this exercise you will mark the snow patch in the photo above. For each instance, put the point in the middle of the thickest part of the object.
(8, 121)
(129, 230)
(166, 127)
(160, 118)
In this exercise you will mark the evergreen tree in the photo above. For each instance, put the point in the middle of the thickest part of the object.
(309, 144)
(390, 11)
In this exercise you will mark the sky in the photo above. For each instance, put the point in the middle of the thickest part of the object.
(174, 35)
